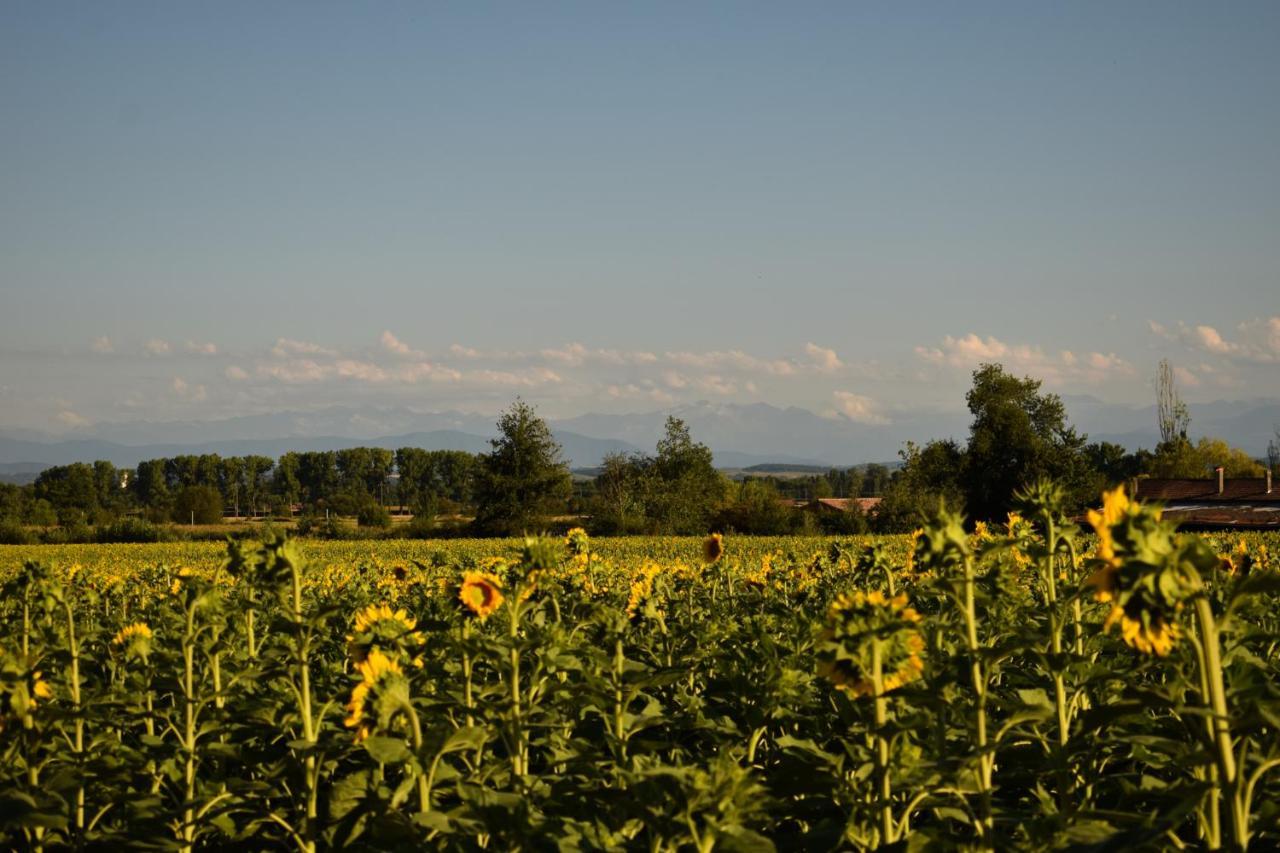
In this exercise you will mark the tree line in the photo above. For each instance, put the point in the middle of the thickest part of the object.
(1018, 434)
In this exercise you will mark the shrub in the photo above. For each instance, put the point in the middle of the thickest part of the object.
(199, 505)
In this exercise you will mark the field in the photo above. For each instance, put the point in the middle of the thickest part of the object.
(1021, 687)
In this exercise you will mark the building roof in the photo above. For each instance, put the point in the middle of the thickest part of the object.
(1247, 490)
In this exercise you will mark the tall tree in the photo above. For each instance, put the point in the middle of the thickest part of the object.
(1170, 410)
(689, 489)
(523, 479)
(1018, 435)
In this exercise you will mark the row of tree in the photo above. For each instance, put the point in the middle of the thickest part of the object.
(1018, 435)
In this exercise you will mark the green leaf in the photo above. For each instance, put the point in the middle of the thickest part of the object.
(386, 750)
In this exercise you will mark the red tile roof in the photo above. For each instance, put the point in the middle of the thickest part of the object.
(1234, 490)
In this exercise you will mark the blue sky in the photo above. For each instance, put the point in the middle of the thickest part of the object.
(222, 209)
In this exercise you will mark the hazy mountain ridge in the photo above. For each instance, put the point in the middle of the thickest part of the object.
(740, 435)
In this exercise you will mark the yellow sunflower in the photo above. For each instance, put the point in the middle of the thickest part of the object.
(712, 548)
(856, 623)
(576, 541)
(1149, 632)
(480, 593)
(375, 671)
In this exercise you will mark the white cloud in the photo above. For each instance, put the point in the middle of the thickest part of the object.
(1256, 340)
(194, 393)
(68, 418)
(824, 359)
(859, 408)
(425, 370)
(285, 347)
(971, 350)
(512, 379)
(202, 349)
(1186, 377)
(156, 346)
(363, 371)
(235, 374)
(393, 344)
(577, 355)
(102, 345)
(295, 372)
(732, 360)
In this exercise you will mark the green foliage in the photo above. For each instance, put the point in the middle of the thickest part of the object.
(623, 695)
(1018, 436)
(523, 479)
(197, 505)
(678, 491)
(1179, 458)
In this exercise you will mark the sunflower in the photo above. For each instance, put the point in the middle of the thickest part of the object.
(1147, 631)
(856, 624)
(40, 688)
(642, 588)
(377, 673)
(912, 545)
(134, 639)
(378, 626)
(1115, 505)
(480, 593)
(712, 548)
(576, 541)
(1145, 571)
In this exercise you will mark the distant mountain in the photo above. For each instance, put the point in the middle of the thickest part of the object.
(740, 435)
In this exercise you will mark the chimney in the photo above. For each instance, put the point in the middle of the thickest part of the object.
(1221, 472)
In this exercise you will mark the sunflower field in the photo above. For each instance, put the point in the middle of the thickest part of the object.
(1039, 684)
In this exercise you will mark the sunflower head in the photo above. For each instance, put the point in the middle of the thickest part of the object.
(642, 599)
(576, 541)
(134, 640)
(712, 548)
(1145, 571)
(480, 594)
(379, 627)
(862, 627)
(380, 698)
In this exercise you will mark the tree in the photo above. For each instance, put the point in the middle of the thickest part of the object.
(619, 502)
(1170, 410)
(929, 475)
(198, 505)
(285, 483)
(523, 478)
(758, 509)
(1273, 453)
(1114, 465)
(689, 489)
(1181, 459)
(1018, 436)
(257, 471)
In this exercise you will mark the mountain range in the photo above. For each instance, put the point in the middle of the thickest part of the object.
(740, 435)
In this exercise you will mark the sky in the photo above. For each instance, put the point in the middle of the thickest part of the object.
(209, 210)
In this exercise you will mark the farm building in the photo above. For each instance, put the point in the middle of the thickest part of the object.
(1216, 503)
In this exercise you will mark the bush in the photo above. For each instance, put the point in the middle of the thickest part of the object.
(199, 505)
(373, 514)
(13, 533)
(133, 530)
(319, 527)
